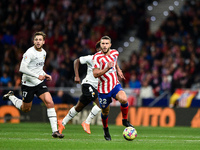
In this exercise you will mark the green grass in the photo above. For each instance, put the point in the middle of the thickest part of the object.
(37, 136)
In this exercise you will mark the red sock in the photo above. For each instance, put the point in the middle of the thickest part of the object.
(104, 121)
(124, 111)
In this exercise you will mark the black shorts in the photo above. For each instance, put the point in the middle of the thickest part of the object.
(28, 92)
(89, 94)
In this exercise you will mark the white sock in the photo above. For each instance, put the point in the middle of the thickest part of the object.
(51, 113)
(16, 101)
(71, 114)
(95, 110)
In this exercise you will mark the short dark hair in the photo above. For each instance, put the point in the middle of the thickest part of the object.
(40, 33)
(98, 45)
(106, 38)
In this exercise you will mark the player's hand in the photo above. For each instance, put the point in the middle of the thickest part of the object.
(48, 77)
(77, 80)
(110, 65)
(121, 75)
(41, 77)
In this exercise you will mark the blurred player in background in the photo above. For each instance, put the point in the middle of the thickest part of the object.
(89, 94)
(105, 65)
(33, 82)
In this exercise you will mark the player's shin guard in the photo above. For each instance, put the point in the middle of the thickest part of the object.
(95, 110)
(124, 110)
(71, 114)
(16, 101)
(104, 120)
(51, 113)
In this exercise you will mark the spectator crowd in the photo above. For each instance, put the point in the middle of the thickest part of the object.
(167, 59)
(72, 27)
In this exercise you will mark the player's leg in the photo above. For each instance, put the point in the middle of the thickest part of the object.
(95, 110)
(26, 107)
(122, 98)
(16, 101)
(92, 96)
(51, 113)
(71, 114)
(104, 118)
(27, 96)
(104, 101)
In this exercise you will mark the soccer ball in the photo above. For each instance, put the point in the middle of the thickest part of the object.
(129, 133)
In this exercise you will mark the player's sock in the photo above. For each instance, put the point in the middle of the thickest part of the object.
(95, 110)
(124, 110)
(51, 113)
(16, 101)
(104, 120)
(71, 114)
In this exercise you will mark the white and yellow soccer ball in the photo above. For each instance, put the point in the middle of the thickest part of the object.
(130, 133)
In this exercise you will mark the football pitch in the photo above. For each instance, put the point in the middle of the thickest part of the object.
(37, 136)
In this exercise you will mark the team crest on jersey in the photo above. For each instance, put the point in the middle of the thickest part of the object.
(44, 56)
(93, 62)
(25, 57)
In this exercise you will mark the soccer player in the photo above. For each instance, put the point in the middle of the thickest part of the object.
(104, 68)
(89, 94)
(33, 82)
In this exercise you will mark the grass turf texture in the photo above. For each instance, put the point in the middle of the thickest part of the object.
(37, 136)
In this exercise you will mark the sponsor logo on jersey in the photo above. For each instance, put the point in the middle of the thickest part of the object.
(44, 86)
(40, 64)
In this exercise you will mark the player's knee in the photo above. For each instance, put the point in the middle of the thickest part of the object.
(26, 109)
(105, 112)
(50, 104)
(123, 100)
(78, 108)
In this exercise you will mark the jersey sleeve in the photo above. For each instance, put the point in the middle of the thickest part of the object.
(85, 59)
(24, 63)
(26, 57)
(95, 62)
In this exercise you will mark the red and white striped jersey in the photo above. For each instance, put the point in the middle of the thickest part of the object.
(109, 80)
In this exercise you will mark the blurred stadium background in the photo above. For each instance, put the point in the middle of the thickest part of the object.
(158, 41)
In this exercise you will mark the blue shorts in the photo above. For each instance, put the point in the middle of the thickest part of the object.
(106, 99)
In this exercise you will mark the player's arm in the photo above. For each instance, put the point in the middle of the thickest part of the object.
(76, 68)
(97, 72)
(119, 72)
(24, 69)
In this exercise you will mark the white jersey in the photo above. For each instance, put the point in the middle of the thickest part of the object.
(32, 66)
(90, 79)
